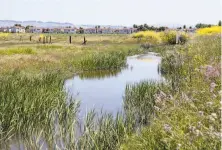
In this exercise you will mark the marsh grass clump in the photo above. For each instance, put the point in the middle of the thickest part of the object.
(139, 100)
(101, 61)
(20, 50)
(31, 105)
(103, 131)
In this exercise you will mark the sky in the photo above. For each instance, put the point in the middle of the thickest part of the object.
(114, 12)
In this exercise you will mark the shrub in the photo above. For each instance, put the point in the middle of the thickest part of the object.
(169, 37)
(183, 38)
(209, 30)
(148, 36)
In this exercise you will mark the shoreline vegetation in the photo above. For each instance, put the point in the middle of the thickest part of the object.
(181, 113)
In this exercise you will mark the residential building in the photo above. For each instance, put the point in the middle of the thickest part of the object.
(17, 29)
(106, 31)
(68, 30)
(35, 30)
(5, 29)
(90, 31)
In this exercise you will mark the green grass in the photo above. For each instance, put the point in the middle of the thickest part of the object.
(101, 61)
(20, 50)
(45, 47)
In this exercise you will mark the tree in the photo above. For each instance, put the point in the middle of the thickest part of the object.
(184, 27)
(161, 29)
(28, 27)
(135, 26)
(201, 25)
(18, 25)
(219, 23)
(146, 26)
(96, 29)
(81, 30)
(190, 27)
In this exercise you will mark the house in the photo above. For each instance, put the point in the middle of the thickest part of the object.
(106, 31)
(124, 31)
(133, 30)
(68, 30)
(57, 30)
(5, 29)
(35, 30)
(17, 29)
(90, 30)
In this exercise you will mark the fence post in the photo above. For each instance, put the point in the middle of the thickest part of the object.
(84, 42)
(50, 39)
(30, 38)
(70, 39)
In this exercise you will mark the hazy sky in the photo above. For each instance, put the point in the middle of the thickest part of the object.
(113, 12)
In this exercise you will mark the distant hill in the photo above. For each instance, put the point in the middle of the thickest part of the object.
(4, 23)
(7, 23)
(101, 26)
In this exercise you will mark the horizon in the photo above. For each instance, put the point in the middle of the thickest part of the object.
(166, 25)
(126, 13)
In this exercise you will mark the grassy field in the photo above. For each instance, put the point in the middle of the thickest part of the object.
(182, 113)
(34, 56)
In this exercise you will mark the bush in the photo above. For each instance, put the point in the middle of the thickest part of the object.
(169, 37)
(148, 36)
(209, 31)
(183, 38)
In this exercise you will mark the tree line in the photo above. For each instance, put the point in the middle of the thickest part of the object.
(145, 27)
(202, 25)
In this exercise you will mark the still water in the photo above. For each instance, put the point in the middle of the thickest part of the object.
(105, 89)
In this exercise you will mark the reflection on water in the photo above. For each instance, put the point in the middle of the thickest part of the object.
(101, 74)
(105, 89)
